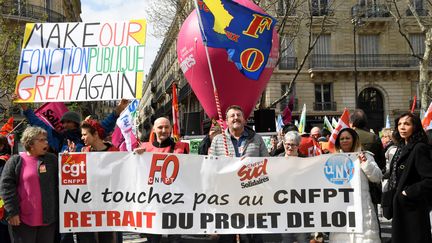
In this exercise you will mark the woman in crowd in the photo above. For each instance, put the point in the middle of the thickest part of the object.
(389, 148)
(291, 144)
(5, 152)
(348, 141)
(408, 197)
(29, 188)
(93, 135)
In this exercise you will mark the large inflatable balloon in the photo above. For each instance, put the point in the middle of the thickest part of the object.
(233, 87)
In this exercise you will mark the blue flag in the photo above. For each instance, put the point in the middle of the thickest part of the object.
(245, 33)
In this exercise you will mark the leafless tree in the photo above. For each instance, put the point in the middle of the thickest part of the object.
(425, 25)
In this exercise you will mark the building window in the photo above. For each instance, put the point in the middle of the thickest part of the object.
(285, 102)
(321, 51)
(288, 59)
(320, 7)
(419, 7)
(368, 46)
(324, 97)
(285, 7)
(418, 43)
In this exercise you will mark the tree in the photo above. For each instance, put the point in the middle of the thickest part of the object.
(422, 18)
(308, 15)
(11, 33)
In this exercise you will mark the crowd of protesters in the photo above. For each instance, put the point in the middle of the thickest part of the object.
(401, 157)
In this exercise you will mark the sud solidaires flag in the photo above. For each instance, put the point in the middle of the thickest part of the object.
(427, 120)
(50, 113)
(343, 123)
(175, 111)
(243, 32)
(7, 129)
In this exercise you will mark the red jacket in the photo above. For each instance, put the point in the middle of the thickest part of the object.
(179, 148)
(110, 148)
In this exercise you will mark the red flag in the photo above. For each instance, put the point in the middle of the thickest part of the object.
(426, 122)
(343, 123)
(414, 104)
(6, 131)
(309, 147)
(175, 111)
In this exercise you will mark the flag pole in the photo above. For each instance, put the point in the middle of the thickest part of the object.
(215, 92)
(414, 104)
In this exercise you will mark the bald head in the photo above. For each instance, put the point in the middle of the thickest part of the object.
(315, 132)
(162, 129)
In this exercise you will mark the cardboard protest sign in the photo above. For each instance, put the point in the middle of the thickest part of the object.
(81, 61)
(192, 194)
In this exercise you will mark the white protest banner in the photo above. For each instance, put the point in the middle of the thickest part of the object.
(81, 61)
(192, 194)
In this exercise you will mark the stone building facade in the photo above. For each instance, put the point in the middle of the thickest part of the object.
(360, 44)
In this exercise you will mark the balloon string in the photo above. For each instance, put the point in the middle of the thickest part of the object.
(218, 108)
(212, 77)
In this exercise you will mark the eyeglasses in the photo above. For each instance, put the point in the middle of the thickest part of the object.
(290, 144)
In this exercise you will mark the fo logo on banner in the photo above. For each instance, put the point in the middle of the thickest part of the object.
(253, 174)
(164, 169)
(74, 169)
(339, 169)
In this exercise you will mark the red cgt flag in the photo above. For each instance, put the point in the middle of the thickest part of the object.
(7, 129)
(175, 112)
(426, 122)
(343, 123)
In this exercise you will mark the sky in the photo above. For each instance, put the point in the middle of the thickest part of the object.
(118, 10)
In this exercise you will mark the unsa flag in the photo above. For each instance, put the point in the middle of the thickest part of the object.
(343, 123)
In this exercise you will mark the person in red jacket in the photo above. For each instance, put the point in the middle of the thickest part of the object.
(93, 135)
(163, 143)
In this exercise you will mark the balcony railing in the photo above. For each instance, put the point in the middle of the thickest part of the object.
(323, 11)
(363, 61)
(168, 83)
(31, 11)
(288, 63)
(370, 11)
(420, 12)
(325, 106)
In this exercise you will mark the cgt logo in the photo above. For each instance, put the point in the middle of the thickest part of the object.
(74, 169)
(168, 169)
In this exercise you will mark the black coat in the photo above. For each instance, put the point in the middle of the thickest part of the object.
(411, 213)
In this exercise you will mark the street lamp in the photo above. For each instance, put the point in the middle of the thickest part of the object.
(356, 21)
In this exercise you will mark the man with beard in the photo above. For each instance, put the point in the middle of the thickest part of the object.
(242, 141)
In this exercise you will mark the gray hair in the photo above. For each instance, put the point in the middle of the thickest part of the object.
(293, 136)
(30, 134)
